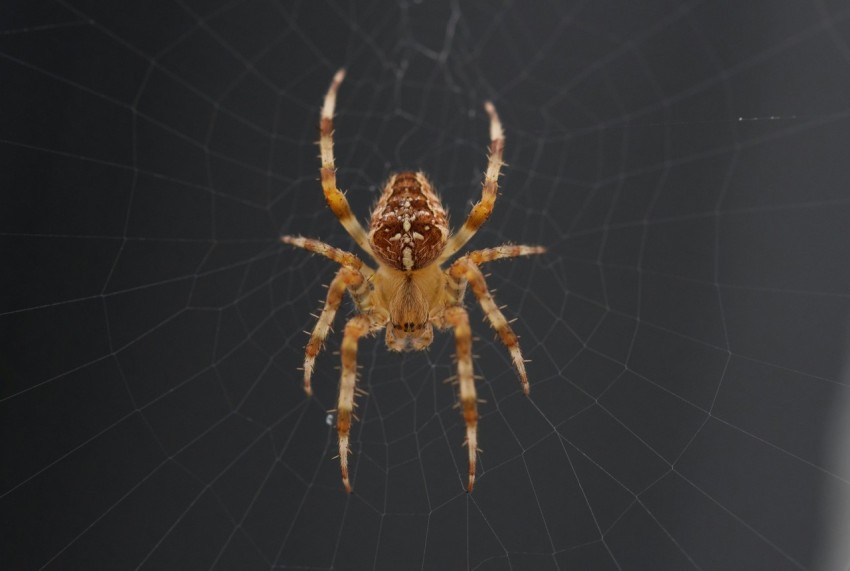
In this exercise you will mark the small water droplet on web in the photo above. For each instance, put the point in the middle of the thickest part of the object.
(329, 420)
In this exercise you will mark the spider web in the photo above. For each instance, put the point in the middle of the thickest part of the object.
(685, 164)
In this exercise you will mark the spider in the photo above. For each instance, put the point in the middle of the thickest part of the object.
(409, 293)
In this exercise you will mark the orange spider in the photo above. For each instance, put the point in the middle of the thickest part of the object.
(409, 293)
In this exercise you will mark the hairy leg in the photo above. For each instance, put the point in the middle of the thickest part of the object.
(479, 257)
(357, 326)
(334, 197)
(341, 257)
(345, 278)
(463, 270)
(458, 319)
(482, 209)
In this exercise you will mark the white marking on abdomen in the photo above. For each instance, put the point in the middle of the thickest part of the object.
(407, 258)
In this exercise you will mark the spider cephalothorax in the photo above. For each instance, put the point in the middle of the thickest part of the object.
(409, 293)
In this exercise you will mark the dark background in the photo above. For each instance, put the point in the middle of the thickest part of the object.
(686, 163)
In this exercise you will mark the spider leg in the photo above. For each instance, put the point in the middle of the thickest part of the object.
(334, 197)
(341, 257)
(464, 270)
(482, 209)
(346, 278)
(479, 257)
(458, 319)
(357, 327)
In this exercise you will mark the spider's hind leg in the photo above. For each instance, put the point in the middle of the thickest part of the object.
(482, 209)
(335, 198)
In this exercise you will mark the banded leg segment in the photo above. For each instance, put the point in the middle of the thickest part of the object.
(463, 270)
(458, 319)
(482, 209)
(334, 197)
(345, 278)
(479, 257)
(341, 257)
(357, 327)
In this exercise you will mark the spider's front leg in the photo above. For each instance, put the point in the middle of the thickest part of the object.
(354, 282)
(457, 317)
(463, 271)
(357, 327)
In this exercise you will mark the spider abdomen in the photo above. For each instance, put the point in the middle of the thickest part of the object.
(409, 226)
